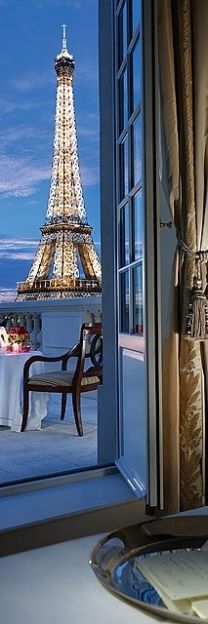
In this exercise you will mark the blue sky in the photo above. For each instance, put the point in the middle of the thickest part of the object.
(30, 38)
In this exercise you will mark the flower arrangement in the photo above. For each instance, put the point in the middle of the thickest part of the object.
(4, 338)
(15, 340)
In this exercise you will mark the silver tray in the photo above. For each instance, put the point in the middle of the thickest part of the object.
(113, 560)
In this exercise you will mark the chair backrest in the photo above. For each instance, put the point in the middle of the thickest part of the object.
(90, 351)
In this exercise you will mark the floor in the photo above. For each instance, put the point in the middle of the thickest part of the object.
(53, 449)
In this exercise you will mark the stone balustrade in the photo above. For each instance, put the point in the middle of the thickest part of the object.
(11, 314)
(53, 325)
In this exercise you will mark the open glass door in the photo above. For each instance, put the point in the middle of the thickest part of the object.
(138, 361)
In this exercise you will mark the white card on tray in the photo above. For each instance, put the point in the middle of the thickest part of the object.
(181, 575)
(201, 608)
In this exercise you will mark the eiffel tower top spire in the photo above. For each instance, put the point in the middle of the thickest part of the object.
(64, 50)
(66, 263)
(64, 39)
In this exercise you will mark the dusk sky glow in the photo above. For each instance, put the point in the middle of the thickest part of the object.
(30, 38)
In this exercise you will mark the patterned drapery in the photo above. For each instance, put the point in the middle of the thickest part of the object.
(183, 56)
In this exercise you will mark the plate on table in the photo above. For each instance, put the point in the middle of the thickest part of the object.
(160, 566)
(25, 349)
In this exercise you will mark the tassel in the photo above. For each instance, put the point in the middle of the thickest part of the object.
(197, 317)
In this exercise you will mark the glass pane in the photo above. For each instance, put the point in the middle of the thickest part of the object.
(124, 302)
(136, 14)
(124, 236)
(138, 227)
(123, 102)
(124, 168)
(137, 300)
(32, 135)
(137, 74)
(137, 150)
(122, 26)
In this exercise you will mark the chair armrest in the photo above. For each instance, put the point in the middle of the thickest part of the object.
(38, 358)
(73, 352)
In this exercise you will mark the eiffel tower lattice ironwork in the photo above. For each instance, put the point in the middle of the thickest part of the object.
(66, 264)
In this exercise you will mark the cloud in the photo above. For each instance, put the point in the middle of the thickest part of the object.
(16, 256)
(20, 177)
(9, 242)
(15, 134)
(26, 154)
(8, 106)
(21, 174)
(89, 133)
(89, 175)
(88, 141)
(69, 4)
(7, 294)
(31, 81)
(17, 249)
(79, 4)
(87, 72)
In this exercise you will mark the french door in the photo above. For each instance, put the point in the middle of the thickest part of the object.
(140, 431)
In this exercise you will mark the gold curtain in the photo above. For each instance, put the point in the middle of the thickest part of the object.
(183, 57)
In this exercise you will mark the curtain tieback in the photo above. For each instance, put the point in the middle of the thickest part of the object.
(197, 315)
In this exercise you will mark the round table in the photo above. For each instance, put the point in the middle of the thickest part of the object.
(11, 392)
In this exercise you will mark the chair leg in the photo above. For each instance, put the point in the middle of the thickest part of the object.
(25, 409)
(63, 405)
(77, 412)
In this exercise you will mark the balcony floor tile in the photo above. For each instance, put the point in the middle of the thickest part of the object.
(53, 449)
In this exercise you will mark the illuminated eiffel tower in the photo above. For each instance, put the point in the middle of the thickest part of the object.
(66, 264)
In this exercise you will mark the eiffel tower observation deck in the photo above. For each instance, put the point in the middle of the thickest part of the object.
(66, 264)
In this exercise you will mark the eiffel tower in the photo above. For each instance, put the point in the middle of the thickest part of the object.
(66, 264)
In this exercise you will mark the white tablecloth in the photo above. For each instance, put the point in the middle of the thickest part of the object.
(11, 392)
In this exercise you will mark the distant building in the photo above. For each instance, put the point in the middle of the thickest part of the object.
(66, 264)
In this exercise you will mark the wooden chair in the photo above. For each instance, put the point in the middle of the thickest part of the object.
(86, 377)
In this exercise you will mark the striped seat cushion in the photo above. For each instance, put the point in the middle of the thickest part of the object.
(60, 378)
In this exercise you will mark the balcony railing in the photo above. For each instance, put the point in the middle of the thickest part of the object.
(52, 324)
(72, 287)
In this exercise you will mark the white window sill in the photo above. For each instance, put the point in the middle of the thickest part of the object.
(53, 514)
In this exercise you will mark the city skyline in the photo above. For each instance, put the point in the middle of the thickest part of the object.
(27, 120)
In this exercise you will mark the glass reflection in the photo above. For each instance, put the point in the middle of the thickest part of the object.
(123, 102)
(124, 236)
(137, 147)
(124, 302)
(124, 168)
(138, 227)
(137, 300)
(122, 22)
(137, 75)
(131, 582)
(136, 14)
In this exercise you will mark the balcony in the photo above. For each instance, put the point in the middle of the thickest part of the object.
(53, 326)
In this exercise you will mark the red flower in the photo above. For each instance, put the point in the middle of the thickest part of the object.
(18, 330)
